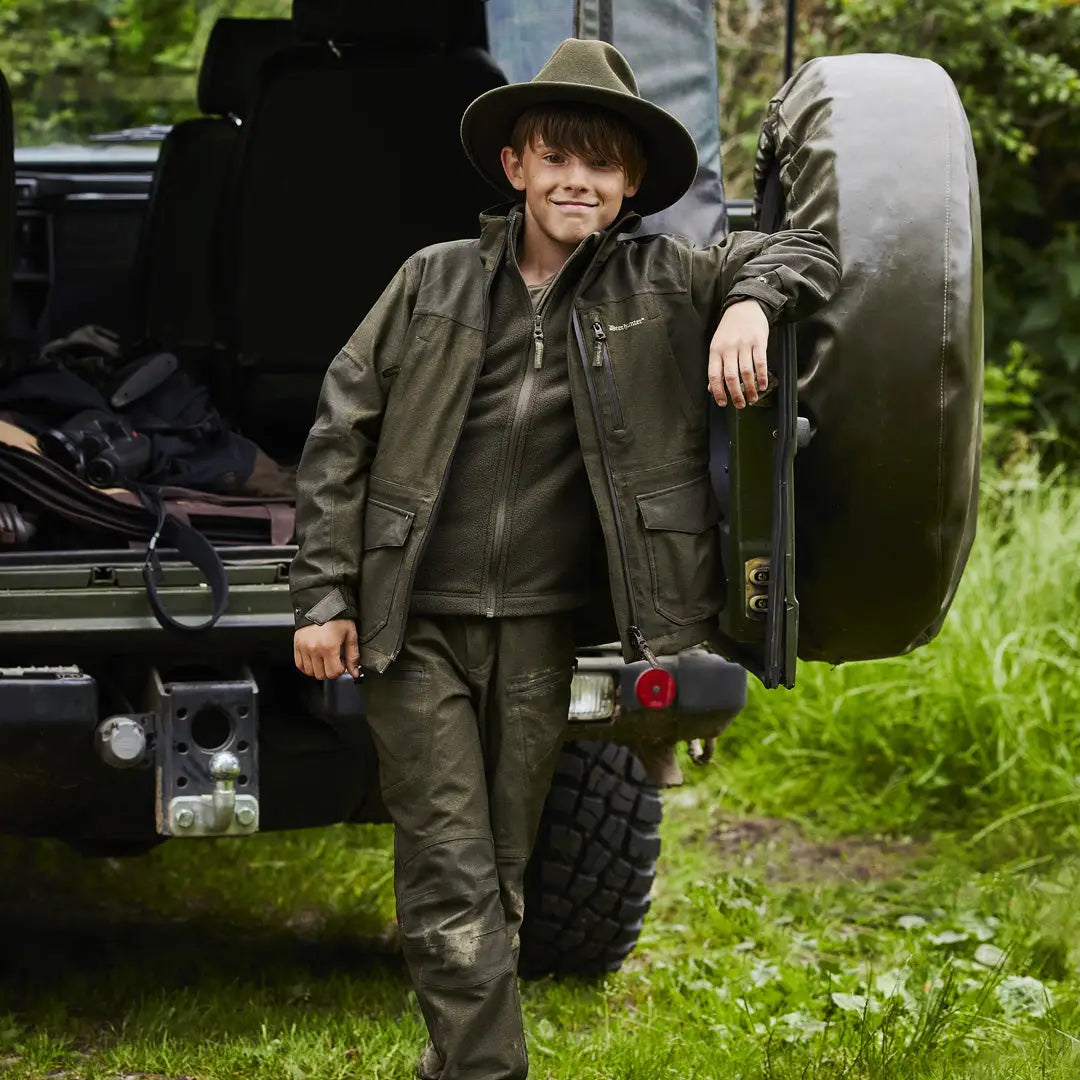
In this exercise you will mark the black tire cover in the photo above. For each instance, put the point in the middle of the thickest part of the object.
(875, 152)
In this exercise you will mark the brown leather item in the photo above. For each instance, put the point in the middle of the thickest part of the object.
(875, 152)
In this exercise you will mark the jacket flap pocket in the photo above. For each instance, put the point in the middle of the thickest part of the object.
(688, 508)
(385, 525)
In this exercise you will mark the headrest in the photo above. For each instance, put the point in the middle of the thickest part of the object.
(235, 52)
(405, 22)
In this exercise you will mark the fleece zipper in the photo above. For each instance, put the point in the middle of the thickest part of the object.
(522, 407)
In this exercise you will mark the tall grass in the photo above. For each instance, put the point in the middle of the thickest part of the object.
(979, 731)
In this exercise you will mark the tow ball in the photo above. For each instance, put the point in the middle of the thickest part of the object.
(200, 738)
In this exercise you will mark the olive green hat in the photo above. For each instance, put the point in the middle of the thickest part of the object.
(590, 73)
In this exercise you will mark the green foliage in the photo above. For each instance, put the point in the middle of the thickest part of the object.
(76, 67)
(1009, 402)
(1015, 63)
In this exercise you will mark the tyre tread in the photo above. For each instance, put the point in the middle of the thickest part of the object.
(589, 882)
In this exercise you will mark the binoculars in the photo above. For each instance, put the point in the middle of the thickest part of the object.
(98, 447)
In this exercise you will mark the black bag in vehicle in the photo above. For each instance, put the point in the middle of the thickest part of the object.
(163, 428)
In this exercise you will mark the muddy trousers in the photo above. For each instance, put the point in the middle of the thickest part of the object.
(468, 724)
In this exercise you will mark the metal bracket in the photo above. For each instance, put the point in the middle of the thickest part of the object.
(206, 760)
(756, 582)
(222, 812)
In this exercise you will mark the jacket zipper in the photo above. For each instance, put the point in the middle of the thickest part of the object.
(603, 360)
(538, 343)
(633, 631)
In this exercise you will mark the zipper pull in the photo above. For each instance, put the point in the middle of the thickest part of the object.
(538, 342)
(637, 639)
(601, 337)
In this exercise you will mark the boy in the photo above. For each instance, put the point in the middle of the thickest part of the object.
(512, 443)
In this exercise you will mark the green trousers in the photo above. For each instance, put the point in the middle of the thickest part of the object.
(468, 723)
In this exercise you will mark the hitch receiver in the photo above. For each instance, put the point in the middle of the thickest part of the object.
(206, 756)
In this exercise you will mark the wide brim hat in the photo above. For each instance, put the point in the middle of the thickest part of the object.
(586, 73)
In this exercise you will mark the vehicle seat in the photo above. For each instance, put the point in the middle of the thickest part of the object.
(349, 163)
(172, 285)
(7, 204)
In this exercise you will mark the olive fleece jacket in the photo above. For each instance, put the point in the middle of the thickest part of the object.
(396, 398)
(515, 519)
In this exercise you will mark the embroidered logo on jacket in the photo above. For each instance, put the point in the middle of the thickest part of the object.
(626, 325)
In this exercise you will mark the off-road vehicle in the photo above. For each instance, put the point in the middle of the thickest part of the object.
(248, 243)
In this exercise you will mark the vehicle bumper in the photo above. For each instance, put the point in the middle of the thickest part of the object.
(315, 765)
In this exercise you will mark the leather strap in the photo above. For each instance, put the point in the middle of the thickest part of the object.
(52, 487)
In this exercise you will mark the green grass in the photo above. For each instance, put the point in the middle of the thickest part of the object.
(876, 880)
(778, 956)
(979, 731)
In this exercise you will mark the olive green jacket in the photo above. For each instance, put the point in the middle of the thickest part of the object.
(395, 398)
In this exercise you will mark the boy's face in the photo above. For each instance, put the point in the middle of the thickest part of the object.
(566, 196)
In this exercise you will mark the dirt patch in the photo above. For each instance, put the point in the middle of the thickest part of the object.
(786, 853)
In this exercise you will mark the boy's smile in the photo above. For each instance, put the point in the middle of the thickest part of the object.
(566, 196)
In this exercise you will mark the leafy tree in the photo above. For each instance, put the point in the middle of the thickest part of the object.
(80, 66)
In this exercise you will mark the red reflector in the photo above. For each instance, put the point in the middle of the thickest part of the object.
(655, 688)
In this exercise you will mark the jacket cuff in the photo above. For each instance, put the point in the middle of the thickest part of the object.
(772, 300)
(315, 606)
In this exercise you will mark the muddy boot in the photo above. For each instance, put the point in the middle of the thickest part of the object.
(429, 1066)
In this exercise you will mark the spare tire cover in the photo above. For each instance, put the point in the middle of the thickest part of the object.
(875, 152)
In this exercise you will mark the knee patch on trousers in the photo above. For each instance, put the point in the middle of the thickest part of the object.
(450, 911)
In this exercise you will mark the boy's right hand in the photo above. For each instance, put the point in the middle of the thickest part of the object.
(329, 650)
(738, 354)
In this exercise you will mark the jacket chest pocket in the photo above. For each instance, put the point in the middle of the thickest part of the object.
(634, 369)
(682, 545)
(386, 530)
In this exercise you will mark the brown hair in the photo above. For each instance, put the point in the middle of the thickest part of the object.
(585, 131)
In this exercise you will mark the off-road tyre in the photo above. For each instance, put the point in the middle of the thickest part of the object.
(588, 883)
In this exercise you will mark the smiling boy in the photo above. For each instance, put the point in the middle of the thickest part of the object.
(510, 459)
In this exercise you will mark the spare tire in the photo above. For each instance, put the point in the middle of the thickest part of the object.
(589, 881)
(875, 152)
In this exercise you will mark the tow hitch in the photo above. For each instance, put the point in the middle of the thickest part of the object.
(201, 737)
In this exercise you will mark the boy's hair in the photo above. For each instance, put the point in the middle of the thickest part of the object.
(585, 131)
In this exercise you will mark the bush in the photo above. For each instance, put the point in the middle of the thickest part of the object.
(1015, 64)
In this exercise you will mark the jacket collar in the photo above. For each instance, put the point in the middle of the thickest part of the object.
(505, 220)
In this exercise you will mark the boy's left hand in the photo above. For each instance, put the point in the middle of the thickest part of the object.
(737, 355)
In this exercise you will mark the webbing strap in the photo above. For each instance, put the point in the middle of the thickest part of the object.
(197, 550)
